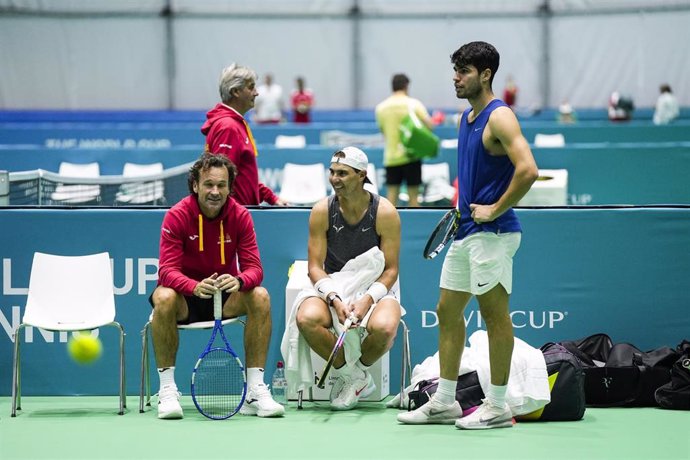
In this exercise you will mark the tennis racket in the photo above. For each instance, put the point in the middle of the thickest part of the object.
(218, 381)
(445, 231)
(338, 345)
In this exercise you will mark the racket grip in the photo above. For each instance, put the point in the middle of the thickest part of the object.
(348, 322)
(217, 305)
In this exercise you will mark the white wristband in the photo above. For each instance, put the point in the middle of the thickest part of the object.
(377, 291)
(324, 286)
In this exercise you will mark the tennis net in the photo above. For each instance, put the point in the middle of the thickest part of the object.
(46, 188)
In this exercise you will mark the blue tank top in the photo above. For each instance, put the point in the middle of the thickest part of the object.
(482, 177)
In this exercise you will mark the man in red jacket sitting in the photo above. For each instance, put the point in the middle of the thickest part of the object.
(208, 243)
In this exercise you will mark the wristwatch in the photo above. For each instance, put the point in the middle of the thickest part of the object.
(331, 297)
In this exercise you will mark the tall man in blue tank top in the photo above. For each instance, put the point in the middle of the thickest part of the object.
(341, 228)
(495, 170)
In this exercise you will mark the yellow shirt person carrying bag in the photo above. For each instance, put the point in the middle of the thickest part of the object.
(419, 141)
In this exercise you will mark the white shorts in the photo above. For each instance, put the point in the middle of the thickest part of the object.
(477, 263)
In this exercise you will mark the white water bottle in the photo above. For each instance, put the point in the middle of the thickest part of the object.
(279, 384)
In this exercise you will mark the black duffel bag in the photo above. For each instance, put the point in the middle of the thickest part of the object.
(621, 375)
(676, 393)
(468, 392)
(566, 384)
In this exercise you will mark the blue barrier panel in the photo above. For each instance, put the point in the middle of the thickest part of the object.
(111, 162)
(161, 135)
(318, 115)
(578, 272)
(624, 174)
(598, 174)
(102, 135)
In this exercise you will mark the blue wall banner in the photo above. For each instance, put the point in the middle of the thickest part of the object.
(598, 174)
(579, 271)
(60, 135)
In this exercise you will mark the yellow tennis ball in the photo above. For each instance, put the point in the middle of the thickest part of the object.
(84, 348)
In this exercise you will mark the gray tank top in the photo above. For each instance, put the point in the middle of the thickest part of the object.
(345, 241)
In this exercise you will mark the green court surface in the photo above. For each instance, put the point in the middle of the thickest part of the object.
(89, 428)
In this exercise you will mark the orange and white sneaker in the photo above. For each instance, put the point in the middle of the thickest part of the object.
(352, 390)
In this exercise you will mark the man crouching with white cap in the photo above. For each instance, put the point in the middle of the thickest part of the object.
(350, 277)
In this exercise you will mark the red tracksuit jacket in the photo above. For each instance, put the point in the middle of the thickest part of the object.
(191, 247)
(226, 134)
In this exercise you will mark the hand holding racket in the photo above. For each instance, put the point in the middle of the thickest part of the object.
(218, 381)
(445, 231)
(336, 348)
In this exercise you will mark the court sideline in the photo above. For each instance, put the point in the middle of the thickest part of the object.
(88, 427)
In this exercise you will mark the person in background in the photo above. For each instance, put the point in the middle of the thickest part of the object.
(208, 244)
(510, 92)
(620, 107)
(566, 113)
(666, 109)
(301, 100)
(227, 133)
(269, 103)
(400, 167)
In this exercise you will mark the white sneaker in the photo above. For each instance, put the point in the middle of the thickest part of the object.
(487, 416)
(337, 387)
(260, 402)
(352, 390)
(433, 412)
(169, 403)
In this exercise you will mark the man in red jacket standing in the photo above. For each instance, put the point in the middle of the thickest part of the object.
(208, 244)
(227, 133)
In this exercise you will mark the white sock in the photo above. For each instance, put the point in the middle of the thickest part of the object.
(166, 375)
(255, 376)
(497, 395)
(445, 393)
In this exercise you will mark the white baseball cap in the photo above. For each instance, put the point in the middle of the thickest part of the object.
(354, 158)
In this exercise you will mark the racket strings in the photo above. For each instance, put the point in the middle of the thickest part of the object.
(445, 231)
(219, 384)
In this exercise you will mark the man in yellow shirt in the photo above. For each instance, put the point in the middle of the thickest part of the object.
(399, 167)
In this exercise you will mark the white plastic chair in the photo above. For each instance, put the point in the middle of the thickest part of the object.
(436, 180)
(77, 193)
(303, 184)
(436, 184)
(145, 385)
(550, 189)
(68, 293)
(141, 192)
(298, 280)
(549, 140)
(449, 143)
(291, 142)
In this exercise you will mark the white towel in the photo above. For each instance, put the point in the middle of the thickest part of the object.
(528, 385)
(351, 283)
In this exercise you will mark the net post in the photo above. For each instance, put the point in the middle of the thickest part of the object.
(4, 188)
